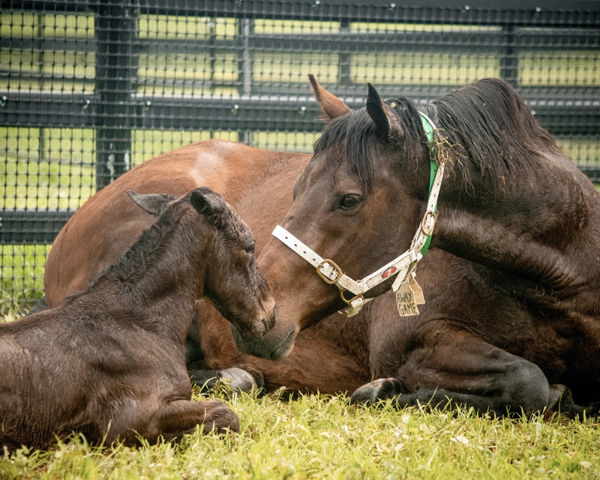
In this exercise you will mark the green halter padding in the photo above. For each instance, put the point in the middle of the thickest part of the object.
(433, 168)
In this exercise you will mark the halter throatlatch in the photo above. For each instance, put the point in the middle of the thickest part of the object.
(408, 292)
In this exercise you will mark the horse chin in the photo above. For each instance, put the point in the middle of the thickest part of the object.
(273, 345)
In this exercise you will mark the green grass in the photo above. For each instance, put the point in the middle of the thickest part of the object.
(323, 437)
(22, 275)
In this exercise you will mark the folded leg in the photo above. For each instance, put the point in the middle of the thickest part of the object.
(450, 366)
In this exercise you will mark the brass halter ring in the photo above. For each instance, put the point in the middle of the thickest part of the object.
(427, 226)
(334, 267)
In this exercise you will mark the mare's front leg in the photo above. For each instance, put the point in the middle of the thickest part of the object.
(303, 370)
(450, 366)
(322, 360)
(211, 355)
(242, 378)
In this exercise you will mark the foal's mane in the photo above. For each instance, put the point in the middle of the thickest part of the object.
(485, 130)
(146, 251)
(149, 247)
(152, 244)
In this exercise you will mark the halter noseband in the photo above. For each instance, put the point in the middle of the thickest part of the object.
(407, 291)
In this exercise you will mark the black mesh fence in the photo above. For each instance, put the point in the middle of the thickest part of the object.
(89, 89)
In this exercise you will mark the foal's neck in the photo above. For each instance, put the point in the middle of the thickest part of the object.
(160, 278)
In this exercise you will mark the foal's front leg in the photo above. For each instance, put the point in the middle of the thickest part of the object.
(178, 417)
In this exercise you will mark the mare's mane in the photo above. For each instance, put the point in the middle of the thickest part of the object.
(485, 127)
(488, 126)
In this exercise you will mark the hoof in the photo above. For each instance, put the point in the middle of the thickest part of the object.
(379, 389)
(237, 379)
(219, 417)
(561, 402)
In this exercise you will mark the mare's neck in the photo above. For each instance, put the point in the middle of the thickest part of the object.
(533, 226)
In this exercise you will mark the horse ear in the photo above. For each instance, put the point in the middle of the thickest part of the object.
(205, 201)
(386, 123)
(331, 106)
(153, 203)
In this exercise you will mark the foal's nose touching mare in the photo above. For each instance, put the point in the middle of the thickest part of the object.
(466, 203)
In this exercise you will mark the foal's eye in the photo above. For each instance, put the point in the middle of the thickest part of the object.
(349, 201)
(249, 249)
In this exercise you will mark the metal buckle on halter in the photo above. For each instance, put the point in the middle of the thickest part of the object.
(326, 278)
(426, 227)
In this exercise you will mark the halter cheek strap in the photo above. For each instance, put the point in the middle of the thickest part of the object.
(429, 127)
(402, 266)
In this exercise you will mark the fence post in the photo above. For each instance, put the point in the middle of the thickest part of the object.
(509, 60)
(345, 59)
(116, 73)
(245, 31)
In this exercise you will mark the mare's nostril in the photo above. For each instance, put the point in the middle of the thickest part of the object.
(273, 318)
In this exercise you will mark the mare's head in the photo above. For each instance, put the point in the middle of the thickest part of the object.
(359, 202)
(223, 262)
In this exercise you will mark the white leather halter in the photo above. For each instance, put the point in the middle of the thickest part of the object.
(402, 266)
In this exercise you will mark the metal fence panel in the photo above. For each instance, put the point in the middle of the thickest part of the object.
(90, 88)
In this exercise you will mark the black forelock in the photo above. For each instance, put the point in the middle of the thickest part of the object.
(355, 131)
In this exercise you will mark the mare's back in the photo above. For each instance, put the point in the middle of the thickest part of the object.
(108, 223)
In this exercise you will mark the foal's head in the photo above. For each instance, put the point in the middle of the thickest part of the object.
(221, 251)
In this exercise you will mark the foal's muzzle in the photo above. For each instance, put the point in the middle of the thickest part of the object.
(271, 344)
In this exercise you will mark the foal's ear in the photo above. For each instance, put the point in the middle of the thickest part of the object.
(153, 203)
(386, 123)
(205, 201)
(331, 106)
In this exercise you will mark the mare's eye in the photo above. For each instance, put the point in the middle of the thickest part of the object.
(349, 201)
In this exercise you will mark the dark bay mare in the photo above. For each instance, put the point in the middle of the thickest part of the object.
(512, 312)
(510, 317)
(111, 361)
